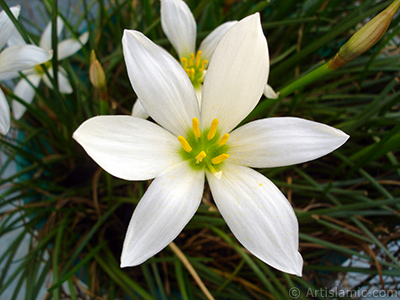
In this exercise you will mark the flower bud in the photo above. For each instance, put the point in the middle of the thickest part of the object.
(96, 74)
(364, 38)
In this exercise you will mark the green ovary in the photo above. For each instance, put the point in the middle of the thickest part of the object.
(205, 149)
(39, 69)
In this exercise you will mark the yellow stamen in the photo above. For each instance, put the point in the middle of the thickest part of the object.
(223, 140)
(203, 65)
(192, 72)
(187, 72)
(198, 58)
(195, 126)
(185, 144)
(185, 62)
(200, 156)
(213, 129)
(219, 159)
(191, 61)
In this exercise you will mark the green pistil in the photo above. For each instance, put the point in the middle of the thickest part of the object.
(204, 150)
(39, 68)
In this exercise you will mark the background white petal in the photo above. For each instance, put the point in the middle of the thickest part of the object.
(167, 206)
(64, 86)
(15, 39)
(211, 41)
(138, 110)
(45, 39)
(19, 58)
(179, 26)
(69, 47)
(163, 87)
(6, 25)
(127, 147)
(277, 142)
(8, 75)
(236, 75)
(259, 216)
(26, 91)
(270, 93)
(4, 114)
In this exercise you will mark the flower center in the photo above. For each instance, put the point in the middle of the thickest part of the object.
(205, 150)
(194, 67)
(39, 69)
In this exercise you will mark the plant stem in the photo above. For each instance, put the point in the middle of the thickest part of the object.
(305, 80)
(191, 270)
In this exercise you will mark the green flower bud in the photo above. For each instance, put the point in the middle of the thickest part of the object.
(364, 38)
(96, 74)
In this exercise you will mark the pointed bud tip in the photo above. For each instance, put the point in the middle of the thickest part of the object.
(93, 57)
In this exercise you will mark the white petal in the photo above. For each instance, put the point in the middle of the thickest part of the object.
(277, 142)
(236, 75)
(8, 75)
(19, 58)
(269, 92)
(179, 26)
(45, 40)
(26, 92)
(160, 83)
(259, 216)
(64, 86)
(15, 39)
(4, 114)
(69, 47)
(6, 25)
(138, 110)
(199, 90)
(167, 206)
(127, 147)
(208, 45)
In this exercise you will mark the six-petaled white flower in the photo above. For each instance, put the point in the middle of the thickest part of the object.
(25, 88)
(179, 25)
(14, 59)
(192, 143)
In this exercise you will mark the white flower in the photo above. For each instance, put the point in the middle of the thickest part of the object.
(25, 88)
(14, 59)
(179, 25)
(192, 143)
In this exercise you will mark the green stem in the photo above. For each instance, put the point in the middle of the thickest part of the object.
(103, 104)
(305, 80)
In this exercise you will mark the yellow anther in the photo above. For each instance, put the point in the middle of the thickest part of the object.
(196, 127)
(187, 70)
(198, 58)
(192, 72)
(200, 156)
(184, 61)
(191, 61)
(213, 129)
(224, 139)
(219, 158)
(203, 65)
(185, 144)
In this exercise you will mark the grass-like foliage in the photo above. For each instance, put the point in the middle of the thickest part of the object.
(75, 215)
